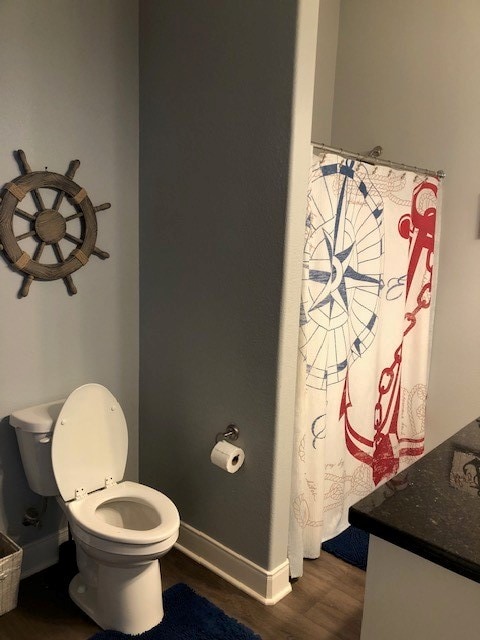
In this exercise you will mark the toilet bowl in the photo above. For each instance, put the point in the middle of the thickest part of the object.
(121, 528)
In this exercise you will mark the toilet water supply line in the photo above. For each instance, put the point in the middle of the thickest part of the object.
(33, 517)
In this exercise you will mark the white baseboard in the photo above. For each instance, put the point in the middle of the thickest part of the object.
(266, 586)
(42, 553)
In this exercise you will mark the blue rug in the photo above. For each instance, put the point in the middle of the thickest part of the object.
(351, 546)
(188, 616)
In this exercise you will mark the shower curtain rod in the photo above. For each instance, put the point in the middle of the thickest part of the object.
(373, 158)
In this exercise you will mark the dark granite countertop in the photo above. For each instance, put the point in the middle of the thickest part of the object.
(433, 507)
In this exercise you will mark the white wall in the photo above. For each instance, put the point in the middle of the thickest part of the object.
(407, 79)
(69, 77)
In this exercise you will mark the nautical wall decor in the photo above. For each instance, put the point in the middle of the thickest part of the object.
(47, 225)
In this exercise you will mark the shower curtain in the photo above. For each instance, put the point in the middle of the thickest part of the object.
(365, 332)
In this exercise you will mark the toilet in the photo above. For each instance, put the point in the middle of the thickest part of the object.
(76, 449)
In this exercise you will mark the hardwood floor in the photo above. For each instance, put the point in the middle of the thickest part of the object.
(326, 604)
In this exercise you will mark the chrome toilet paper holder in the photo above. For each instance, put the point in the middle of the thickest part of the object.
(231, 433)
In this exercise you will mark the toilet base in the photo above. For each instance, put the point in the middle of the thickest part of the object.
(83, 597)
(126, 599)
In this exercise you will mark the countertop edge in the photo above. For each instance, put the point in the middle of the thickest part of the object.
(414, 545)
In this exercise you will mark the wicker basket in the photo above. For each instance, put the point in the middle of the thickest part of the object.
(10, 565)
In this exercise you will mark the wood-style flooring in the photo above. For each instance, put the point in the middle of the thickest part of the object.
(326, 604)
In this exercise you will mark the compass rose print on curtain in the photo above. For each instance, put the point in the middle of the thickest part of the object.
(364, 340)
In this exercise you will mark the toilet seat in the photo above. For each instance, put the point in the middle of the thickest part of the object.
(89, 443)
(89, 453)
(87, 516)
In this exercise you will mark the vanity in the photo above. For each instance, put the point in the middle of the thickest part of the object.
(423, 572)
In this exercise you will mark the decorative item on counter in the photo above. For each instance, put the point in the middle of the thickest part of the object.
(465, 472)
(47, 225)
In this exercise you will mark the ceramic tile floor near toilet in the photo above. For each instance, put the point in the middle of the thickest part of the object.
(325, 605)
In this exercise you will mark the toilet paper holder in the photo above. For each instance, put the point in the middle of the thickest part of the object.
(231, 433)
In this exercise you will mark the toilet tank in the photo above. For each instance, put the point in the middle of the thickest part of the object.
(34, 429)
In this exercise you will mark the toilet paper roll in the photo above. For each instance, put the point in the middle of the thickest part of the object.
(227, 456)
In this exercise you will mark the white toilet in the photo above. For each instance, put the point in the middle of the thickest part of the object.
(78, 448)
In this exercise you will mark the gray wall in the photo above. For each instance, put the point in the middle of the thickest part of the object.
(407, 79)
(69, 77)
(215, 119)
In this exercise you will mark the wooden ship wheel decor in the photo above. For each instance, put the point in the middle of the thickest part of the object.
(47, 225)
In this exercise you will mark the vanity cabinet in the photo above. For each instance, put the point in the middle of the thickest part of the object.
(423, 572)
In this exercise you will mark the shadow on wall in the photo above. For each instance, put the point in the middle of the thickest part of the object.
(11, 480)
(15, 494)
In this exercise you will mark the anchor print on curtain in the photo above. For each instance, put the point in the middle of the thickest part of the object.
(365, 333)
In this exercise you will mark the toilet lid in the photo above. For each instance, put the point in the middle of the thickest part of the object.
(90, 441)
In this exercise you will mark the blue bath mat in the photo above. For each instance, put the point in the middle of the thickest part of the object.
(188, 616)
(350, 546)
